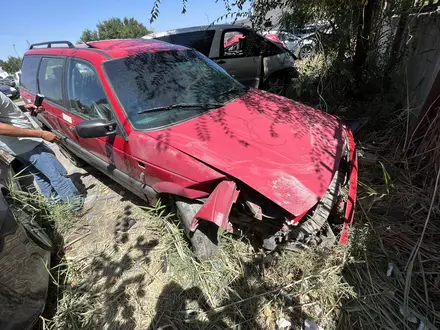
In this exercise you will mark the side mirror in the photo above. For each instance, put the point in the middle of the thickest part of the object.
(95, 128)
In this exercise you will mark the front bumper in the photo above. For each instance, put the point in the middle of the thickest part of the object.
(352, 189)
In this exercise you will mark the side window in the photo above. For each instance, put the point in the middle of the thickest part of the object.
(240, 44)
(200, 40)
(29, 70)
(50, 79)
(164, 38)
(85, 93)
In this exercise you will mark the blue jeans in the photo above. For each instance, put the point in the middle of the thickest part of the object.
(50, 175)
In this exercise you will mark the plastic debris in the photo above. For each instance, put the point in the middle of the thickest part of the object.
(311, 325)
(390, 269)
(283, 324)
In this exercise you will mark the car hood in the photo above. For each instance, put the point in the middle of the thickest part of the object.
(283, 149)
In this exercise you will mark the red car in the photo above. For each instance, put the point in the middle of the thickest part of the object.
(164, 120)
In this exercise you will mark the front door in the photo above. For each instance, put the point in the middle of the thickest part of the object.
(87, 100)
(240, 56)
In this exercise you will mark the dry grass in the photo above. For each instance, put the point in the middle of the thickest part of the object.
(155, 283)
(150, 280)
(400, 235)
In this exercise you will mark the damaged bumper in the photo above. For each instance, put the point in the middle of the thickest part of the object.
(224, 208)
(352, 188)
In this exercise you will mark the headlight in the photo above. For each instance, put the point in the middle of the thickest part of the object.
(12, 89)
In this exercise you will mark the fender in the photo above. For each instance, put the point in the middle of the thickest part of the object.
(175, 189)
(217, 207)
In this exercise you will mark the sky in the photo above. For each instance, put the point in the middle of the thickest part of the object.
(43, 20)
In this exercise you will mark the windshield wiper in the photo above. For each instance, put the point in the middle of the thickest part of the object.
(200, 106)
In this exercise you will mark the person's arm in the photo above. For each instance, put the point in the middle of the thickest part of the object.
(9, 130)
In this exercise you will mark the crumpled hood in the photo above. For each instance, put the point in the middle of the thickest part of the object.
(285, 150)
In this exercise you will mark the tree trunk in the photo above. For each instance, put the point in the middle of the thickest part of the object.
(363, 37)
(395, 50)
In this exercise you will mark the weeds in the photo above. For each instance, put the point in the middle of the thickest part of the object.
(386, 277)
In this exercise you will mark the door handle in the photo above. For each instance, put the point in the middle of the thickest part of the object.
(220, 62)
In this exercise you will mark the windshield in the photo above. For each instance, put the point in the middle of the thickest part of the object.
(156, 81)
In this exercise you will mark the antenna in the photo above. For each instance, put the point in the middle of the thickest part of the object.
(15, 50)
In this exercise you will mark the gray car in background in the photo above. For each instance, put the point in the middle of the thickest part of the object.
(252, 59)
(11, 92)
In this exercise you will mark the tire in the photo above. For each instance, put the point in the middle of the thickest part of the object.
(78, 162)
(277, 83)
(35, 232)
(204, 239)
(306, 51)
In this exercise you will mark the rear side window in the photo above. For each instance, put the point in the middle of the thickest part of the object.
(200, 40)
(29, 70)
(50, 79)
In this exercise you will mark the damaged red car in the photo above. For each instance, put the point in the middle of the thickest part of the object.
(164, 120)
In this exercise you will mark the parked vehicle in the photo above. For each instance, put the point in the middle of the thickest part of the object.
(304, 42)
(301, 45)
(24, 264)
(252, 59)
(10, 92)
(165, 121)
(9, 81)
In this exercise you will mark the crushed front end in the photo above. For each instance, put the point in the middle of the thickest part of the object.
(321, 225)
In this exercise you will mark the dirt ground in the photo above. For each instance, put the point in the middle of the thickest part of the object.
(113, 250)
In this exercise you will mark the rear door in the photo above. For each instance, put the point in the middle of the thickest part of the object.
(240, 56)
(28, 82)
(50, 84)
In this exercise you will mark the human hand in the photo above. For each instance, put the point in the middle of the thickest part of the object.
(32, 106)
(50, 137)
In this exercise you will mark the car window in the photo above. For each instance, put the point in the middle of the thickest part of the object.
(50, 78)
(85, 93)
(29, 70)
(200, 40)
(162, 79)
(240, 44)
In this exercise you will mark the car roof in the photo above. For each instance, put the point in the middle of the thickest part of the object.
(194, 29)
(113, 48)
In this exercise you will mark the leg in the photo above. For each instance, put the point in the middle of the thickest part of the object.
(42, 182)
(44, 160)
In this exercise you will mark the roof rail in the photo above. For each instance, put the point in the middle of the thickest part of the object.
(50, 43)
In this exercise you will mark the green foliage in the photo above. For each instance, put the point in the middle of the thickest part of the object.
(115, 28)
(11, 65)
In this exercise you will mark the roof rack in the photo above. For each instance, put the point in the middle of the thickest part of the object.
(50, 43)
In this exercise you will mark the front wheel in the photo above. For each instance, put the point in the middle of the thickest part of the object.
(204, 239)
(306, 51)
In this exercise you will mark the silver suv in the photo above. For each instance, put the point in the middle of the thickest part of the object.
(251, 58)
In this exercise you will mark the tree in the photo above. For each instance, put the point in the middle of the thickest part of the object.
(115, 28)
(11, 65)
(355, 23)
